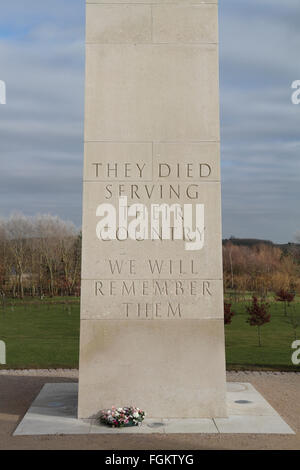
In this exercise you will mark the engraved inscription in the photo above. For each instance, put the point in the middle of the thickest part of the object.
(166, 209)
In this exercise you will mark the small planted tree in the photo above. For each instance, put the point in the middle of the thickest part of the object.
(228, 313)
(258, 315)
(286, 297)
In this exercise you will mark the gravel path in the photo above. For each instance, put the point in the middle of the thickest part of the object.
(73, 373)
(19, 388)
(68, 373)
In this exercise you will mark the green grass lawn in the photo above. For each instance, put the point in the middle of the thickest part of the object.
(41, 334)
(45, 334)
(242, 350)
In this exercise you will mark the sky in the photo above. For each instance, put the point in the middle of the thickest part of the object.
(41, 126)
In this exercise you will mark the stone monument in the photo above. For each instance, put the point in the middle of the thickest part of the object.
(152, 329)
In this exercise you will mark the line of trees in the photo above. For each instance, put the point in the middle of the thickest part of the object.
(39, 256)
(261, 268)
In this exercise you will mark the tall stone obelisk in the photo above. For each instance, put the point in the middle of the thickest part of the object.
(152, 330)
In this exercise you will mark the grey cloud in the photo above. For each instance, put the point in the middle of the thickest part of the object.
(260, 126)
(41, 127)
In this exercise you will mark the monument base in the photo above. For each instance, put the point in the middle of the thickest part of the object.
(54, 411)
(170, 368)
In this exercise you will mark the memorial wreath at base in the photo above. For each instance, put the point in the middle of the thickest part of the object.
(122, 417)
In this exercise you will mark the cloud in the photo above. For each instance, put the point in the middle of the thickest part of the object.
(259, 44)
(41, 127)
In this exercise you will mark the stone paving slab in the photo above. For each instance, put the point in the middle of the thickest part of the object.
(54, 412)
(245, 424)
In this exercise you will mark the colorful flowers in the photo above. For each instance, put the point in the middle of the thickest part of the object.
(121, 417)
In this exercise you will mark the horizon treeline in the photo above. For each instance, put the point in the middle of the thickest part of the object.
(41, 256)
(261, 267)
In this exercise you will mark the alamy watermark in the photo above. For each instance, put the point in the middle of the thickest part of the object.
(2, 352)
(296, 94)
(2, 343)
(296, 354)
(157, 222)
(2, 92)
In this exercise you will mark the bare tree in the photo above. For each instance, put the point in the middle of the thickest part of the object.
(54, 239)
(19, 230)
